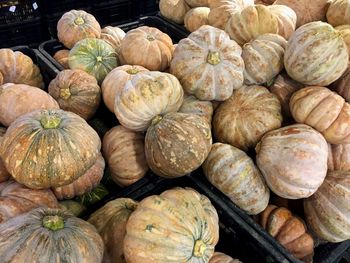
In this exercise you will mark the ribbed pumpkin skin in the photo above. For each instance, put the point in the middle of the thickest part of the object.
(344, 30)
(50, 157)
(196, 17)
(61, 57)
(214, 68)
(77, 242)
(145, 96)
(4, 174)
(19, 99)
(110, 221)
(293, 160)
(327, 211)
(287, 19)
(15, 67)
(166, 140)
(180, 213)
(76, 91)
(324, 110)
(342, 85)
(175, 10)
(316, 54)
(124, 151)
(338, 12)
(198, 3)
(76, 25)
(245, 117)
(192, 105)
(234, 173)
(219, 257)
(115, 81)
(113, 36)
(338, 157)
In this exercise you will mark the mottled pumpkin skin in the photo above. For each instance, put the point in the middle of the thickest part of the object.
(327, 211)
(196, 17)
(215, 67)
(110, 221)
(4, 174)
(338, 157)
(113, 36)
(77, 241)
(124, 151)
(53, 147)
(174, 10)
(76, 91)
(342, 85)
(338, 12)
(287, 19)
(192, 105)
(15, 67)
(181, 213)
(344, 30)
(219, 257)
(61, 57)
(76, 25)
(235, 174)
(198, 3)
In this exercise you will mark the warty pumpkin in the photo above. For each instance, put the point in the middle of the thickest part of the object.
(61, 56)
(338, 12)
(338, 157)
(342, 85)
(219, 257)
(344, 30)
(194, 106)
(174, 10)
(113, 35)
(287, 19)
(196, 17)
(4, 174)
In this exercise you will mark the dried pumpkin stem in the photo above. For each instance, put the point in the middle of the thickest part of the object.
(50, 122)
(99, 59)
(199, 248)
(79, 21)
(156, 120)
(213, 58)
(53, 222)
(65, 94)
(133, 71)
(150, 38)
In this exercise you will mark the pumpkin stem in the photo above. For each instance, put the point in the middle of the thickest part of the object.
(150, 38)
(156, 120)
(199, 248)
(213, 58)
(99, 59)
(53, 222)
(65, 94)
(133, 71)
(50, 122)
(79, 21)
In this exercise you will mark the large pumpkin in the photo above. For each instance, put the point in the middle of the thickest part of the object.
(4, 174)
(49, 148)
(219, 257)
(338, 12)
(201, 108)
(196, 17)
(181, 213)
(286, 18)
(293, 160)
(49, 235)
(208, 64)
(113, 36)
(339, 157)
(61, 56)
(342, 85)
(174, 10)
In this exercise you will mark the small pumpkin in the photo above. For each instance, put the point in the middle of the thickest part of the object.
(174, 10)
(338, 157)
(72, 207)
(219, 257)
(201, 108)
(287, 19)
(342, 86)
(344, 30)
(198, 3)
(61, 56)
(113, 35)
(196, 17)
(338, 12)
(4, 174)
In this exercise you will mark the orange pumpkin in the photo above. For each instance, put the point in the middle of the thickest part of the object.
(219, 257)
(338, 12)
(196, 17)
(4, 174)
(287, 19)
(61, 56)
(113, 36)
(201, 108)
(174, 10)
(342, 86)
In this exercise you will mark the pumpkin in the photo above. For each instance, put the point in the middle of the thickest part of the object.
(167, 138)
(174, 10)
(156, 46)
(245, 117)
(72, 207)
(146, 96)
(341, 86)
(324, 110)
(181, 213)
(113, 36)
(338, 157)
(1, 78)
(76, 91)
(338, 12)
(196, 17)
(264, 2)
(250, 23)
(110, 221)
(16, 199)
(231, 171)
(344, 30)
(15, 67)
(4, 174)
(53, 147)
(76, 25)
(115, 81)
(293, 160)
(19, 99)
(327, 211)
(49, 235)
(219, 257)
(198, 3)
(61, 56)
(214, 67)
(201, 108)
(124, 151)
(288, 230)
(287, 19)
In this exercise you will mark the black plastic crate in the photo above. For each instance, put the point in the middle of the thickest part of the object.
(18, 11)
(61, 6)
(148, 7)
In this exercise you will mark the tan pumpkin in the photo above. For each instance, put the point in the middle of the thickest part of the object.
(146, 96)
(219, 257)
(181, 213)
(76, 91)
(287, 19)
(327, 211)
(174, 10)
(293, 160)
(113, 35)
(231, 171)
(4, 174)
(1, 78)
(110, 221)
(344, 30)
(245, 117)
(250, 23)
(115, 81)
(167, 138)
(19, 99)
(61, 56)
(198, 3)
(124, 151)
(342, 85)
(76, 25)
(201, 108)
(324, 110)
(338, 12)
(196, 17)
(15, 67)
(264, 2)
(214, 68)
(338, 157)
(155, 48)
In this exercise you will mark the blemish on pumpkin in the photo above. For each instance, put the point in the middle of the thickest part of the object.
(149, 228)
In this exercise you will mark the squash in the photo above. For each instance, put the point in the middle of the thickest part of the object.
(338, 12)
(263, 58)
(146, 96)
(342, 86)
(231, 171)
(250, 23)
(287, 19)
(264, 2)
(245, 117)
(338, 157)
(110, 221)
(17, 68)
(201, 108)
(113, 36)
(115, 81)
(219, 257)
(156, 46)
(208, 64)
(19, 99)
(16, 199)
(293, 160)
(4, 174)
(327, 211)
(61, 56)
(1, 78)
(124, 151)
(76, 91)
(76, 25)
(49, 235)
(174, 10)
(324, 110)
(344, 30)
(198, 3)
(72, 207)
(53, 147)
(177, 144)
(181, 213)
(196, 17)
(288, 230)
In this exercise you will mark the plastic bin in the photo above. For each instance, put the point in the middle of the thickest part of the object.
(148, 7)
(62, 6)
(18, 11)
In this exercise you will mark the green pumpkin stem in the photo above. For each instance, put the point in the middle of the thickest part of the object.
(156, 120)
(79, 21)
(199, 248)
(53, 222)
(50, 122)
(213, 58)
